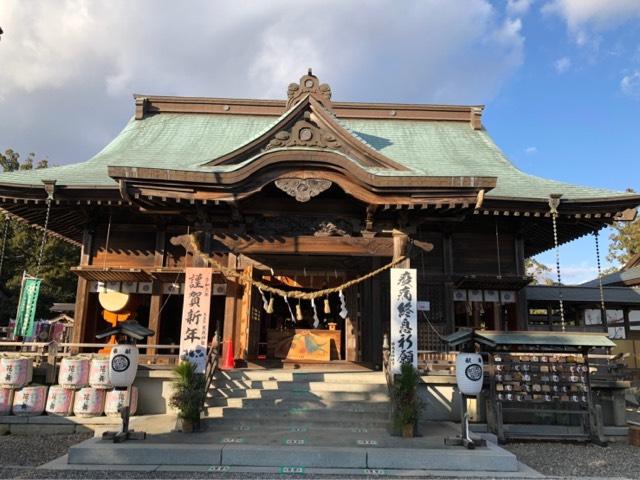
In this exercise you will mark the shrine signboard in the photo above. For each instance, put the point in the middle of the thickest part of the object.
(195, 316)
(404, 321)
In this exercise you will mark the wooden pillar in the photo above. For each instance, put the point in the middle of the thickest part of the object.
(627, 325)
(449, 309)
(400, 248)
(156, 292)
(522, 309)
(230, 307)
(82, 291)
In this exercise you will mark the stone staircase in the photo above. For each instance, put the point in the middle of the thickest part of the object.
(297, 401)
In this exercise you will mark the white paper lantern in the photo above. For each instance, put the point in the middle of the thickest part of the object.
(14, 371)
(29, 401)
(469, 373)
(60, 401)
(74, 372)
(117, 399)
(89, 402)
(6, 400)
(99, 373)
(123, 365)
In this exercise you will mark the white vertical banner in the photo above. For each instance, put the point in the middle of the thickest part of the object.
(404, 319)
(195, 316)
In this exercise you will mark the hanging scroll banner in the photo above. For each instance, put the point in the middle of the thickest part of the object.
(404, 322)
(27, 307)
(195, 316)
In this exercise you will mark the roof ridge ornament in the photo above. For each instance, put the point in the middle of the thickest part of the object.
(309, 85)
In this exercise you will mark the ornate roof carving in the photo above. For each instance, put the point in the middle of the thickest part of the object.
(303, 189)
(309, 85)
(304, 134)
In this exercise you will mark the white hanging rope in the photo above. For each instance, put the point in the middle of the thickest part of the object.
(44, 237)
(603, 309)
(554, 201)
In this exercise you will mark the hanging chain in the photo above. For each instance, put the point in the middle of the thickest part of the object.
(5, 235)
(44, 237)
(554, 216)
(498, 250)
(603, 310)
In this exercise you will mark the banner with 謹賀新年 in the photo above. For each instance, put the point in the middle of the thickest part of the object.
(195, 316)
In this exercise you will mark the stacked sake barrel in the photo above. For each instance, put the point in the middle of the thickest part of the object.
(16, 396)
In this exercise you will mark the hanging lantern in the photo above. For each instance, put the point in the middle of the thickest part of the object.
(327, 307)
(123, 365)
(469, 373)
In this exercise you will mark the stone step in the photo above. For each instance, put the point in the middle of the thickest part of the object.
(366, 397)
(298, 403)
(336, 422)
(97, 452)
(300, 386)
(302, 376)
(301, 414)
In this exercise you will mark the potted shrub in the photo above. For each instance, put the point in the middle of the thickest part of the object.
(407, 406)
(188, 395)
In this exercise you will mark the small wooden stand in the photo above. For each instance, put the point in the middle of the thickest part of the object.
(125, 434)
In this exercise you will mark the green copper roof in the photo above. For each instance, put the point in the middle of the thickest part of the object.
(187, 141)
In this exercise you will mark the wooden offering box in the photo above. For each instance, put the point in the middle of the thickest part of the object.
(304, 344)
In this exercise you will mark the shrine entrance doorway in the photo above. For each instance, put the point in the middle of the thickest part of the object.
(334, 328)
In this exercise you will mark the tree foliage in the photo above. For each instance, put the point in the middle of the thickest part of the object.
(540, 272)
(624, 241)
(21, 255)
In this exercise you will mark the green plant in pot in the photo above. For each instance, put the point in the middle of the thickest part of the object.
(188, 395)
(407, 406)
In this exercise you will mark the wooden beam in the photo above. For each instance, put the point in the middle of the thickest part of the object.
(305, 245)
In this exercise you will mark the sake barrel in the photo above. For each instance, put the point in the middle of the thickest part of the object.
(123, 365)
(74, 372)
(14, 371)
(117, 399)
(6, 400)
(469, 373)
(29, 401)
(89, 402)
(59, 401)
(99, 372)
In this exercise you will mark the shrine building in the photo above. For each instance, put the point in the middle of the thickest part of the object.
(306, 193)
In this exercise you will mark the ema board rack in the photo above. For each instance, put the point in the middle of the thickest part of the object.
(542, 386)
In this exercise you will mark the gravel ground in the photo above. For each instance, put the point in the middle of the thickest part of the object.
(579, 460)
(34, 450)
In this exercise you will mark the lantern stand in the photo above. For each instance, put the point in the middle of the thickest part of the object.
(123, 366)
(469, 375)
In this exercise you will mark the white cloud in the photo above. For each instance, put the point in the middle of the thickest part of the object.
(583, 16)
(531, 150)
(630, 84)
(517, 8)
(562, 65)
(68, 68)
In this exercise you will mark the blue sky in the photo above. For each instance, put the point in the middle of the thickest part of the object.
(560, 78)
(566, 114)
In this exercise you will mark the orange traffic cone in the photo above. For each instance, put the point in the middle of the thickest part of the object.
(227, 362)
